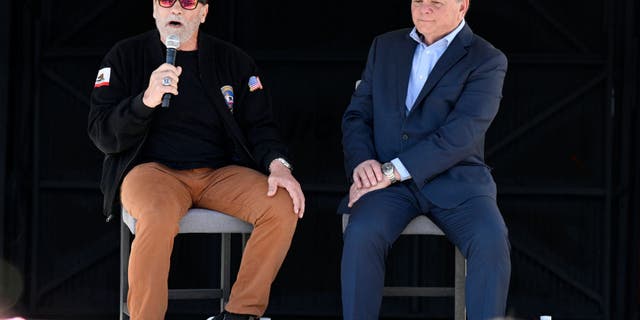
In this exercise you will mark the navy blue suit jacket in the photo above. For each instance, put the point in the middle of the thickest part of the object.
(441, 140)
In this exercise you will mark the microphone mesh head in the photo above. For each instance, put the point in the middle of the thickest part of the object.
(173, 41)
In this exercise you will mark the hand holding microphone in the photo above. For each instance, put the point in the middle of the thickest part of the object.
(164, 80)
(173, 42)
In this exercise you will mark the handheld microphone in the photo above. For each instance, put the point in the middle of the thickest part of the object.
(173, 42)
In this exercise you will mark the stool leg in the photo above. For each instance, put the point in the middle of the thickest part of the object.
(245, 238)
(460, 278)
(124, 264)
(225, 266)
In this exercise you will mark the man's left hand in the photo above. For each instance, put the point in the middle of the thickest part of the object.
(281, 176)
(355, 193)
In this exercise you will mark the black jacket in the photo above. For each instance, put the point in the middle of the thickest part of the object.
(119, 121)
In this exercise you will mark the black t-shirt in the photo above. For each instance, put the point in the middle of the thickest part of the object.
(189, 134)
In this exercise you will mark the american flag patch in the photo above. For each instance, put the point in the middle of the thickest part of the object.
(254, 83)
(102, 80)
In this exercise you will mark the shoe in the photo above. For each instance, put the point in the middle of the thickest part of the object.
(224, 315)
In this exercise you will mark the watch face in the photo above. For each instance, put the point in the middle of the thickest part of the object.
(387, 168)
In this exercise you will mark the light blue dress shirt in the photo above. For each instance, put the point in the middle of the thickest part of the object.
(424, 59)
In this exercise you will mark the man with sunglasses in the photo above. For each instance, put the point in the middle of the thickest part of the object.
(206, 150)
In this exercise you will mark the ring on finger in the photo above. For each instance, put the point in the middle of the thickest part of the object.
(166, 81)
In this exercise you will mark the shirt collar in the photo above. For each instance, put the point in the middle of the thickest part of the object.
(446, 40)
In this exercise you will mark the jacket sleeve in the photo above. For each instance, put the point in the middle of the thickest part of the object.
(465, 125)
(118, 120)
(255, 116)
(357, 121)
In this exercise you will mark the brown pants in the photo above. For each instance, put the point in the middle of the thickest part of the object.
(158, 197)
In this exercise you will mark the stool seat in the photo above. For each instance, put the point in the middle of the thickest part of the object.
(419, 225)
(199, 220)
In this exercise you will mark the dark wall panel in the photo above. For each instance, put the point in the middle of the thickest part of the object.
(74, 257)
(7, 289)
(331, 28)
(543, 27)
(4, 99)
(553, 129)
(552, 146)
(66, 154)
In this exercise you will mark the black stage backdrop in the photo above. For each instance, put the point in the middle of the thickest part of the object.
(563, 148)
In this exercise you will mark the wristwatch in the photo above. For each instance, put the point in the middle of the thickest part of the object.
(284, 163)
(388, 171)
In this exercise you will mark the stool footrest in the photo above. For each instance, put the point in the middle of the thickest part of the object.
(418, 292)
(185, 294)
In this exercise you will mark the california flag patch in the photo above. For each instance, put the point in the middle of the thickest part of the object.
(102, 80)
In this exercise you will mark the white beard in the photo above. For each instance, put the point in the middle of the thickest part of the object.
(184, 33)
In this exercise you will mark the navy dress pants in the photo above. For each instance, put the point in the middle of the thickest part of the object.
(476, 227)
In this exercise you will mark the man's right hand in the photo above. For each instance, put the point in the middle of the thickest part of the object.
(153, 95)
(367, 174)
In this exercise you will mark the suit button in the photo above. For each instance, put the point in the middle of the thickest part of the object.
(405, 137)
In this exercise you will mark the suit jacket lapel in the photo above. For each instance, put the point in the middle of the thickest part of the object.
(404, 61)
(456, 50)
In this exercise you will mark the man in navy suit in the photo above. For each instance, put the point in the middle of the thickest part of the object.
(413, 138)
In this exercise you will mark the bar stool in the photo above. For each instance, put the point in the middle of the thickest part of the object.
(195, 221)
(421, 225)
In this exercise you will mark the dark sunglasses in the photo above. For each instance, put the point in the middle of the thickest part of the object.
(185, 4)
